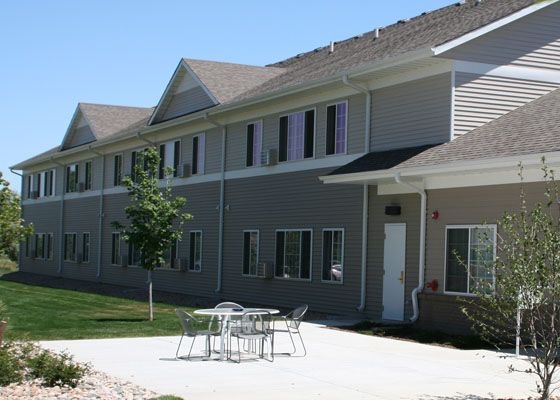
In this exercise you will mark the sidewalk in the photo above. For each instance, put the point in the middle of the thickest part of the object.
(338, 365)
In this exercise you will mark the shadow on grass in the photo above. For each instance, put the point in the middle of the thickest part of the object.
(119, 319)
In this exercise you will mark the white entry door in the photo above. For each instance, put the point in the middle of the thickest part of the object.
(394, 270)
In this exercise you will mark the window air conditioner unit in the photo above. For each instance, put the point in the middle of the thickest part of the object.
(79, 258)
(180, 264)
(34, 194)
(124, 261)
(268, 157)
(33, 254)
(265, 270)
(184, 170)
(81, 187)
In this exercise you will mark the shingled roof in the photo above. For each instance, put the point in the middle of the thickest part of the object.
(106, 120)
(427, 30)
(531, 129)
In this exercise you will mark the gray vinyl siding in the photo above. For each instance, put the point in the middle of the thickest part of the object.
(533, 41)
(82, 215)
(480, 99)
(80, 136)
(45, 218)
(462, 206)
(410, 214)
(186, 102)
(292, 201)
(237, 132)
(412, 114)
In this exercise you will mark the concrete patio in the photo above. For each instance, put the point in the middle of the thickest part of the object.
(339, 365)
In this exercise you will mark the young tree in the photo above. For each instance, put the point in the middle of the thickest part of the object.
(527, 285)
(12, 228)
(155, 217)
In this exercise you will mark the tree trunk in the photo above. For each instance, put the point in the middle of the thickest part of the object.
(151, 306)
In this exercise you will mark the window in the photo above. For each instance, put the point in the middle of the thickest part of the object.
(49, 245)
(69, 247)
(293, 254)
(297, 133)
(169, 155)
(48, 182)
(88, 171)
(254, 144)
(336, 128)
(171, 255)
(85, 247)
(29, 186)
(40, 245)
(333, 255)
(137, 159)
(27, 246)
(250, 252)
(198, 153)
(134, 255)
(117, 169)
(470, 252)
(116, 248)
(195, 253)
(72, 178)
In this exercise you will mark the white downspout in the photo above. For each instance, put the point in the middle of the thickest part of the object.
(421, 256)
(365, 195)
(221, 205)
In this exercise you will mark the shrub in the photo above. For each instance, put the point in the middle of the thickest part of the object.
(11, 367)
(56, 369)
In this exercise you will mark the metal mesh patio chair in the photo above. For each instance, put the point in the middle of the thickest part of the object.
(257, 328)
(292, 321)
(226, 304)
(192, 328)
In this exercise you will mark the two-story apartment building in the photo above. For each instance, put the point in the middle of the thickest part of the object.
(344, 177)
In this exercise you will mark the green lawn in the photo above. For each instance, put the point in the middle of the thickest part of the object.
(40, 313)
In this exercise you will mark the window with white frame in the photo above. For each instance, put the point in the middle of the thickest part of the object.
(250, 252)
(337, 115)
(72, 178)
(134, 255)
(89, 176)
(40, 245)
(293, 254)
(45, 183)
(49, 244)
(117, 169)
(169, 157)
(136, 160)
(85, 247)
(171, 255)
(198, 153)
(470, 254)
(254, 144)
(333, 255)
(30, 186)
(116, 248)
(297, 135)
(70, 247)
(195, 251)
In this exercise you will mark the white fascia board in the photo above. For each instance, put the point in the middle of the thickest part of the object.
(490, 171)
(508, 71)
(492, 26)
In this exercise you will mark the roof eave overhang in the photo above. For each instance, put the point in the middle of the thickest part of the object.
(464, 168)
(492, 26)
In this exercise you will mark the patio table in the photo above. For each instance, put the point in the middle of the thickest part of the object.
(225, 314)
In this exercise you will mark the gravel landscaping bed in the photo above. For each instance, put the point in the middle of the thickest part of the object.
(95, 385)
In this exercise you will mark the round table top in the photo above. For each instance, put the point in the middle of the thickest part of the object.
(234, 311)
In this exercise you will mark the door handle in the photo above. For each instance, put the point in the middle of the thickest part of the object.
(401, 278)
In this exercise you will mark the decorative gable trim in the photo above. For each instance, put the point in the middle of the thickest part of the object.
(182, 70)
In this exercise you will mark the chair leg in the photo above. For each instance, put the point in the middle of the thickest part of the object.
(302, 344)
(178, 347)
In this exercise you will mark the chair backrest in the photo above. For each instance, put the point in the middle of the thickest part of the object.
(255, 322)
(296, 316)
(186, 321)
(228, 304)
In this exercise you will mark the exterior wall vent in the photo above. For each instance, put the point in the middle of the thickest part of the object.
(268, 157)
(265, 270)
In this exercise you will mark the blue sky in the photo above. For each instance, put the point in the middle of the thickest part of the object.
(123, 52)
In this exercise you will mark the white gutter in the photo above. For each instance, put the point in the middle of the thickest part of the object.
(222, 201)
(101, 212)
(421, 256)
(365, 194)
